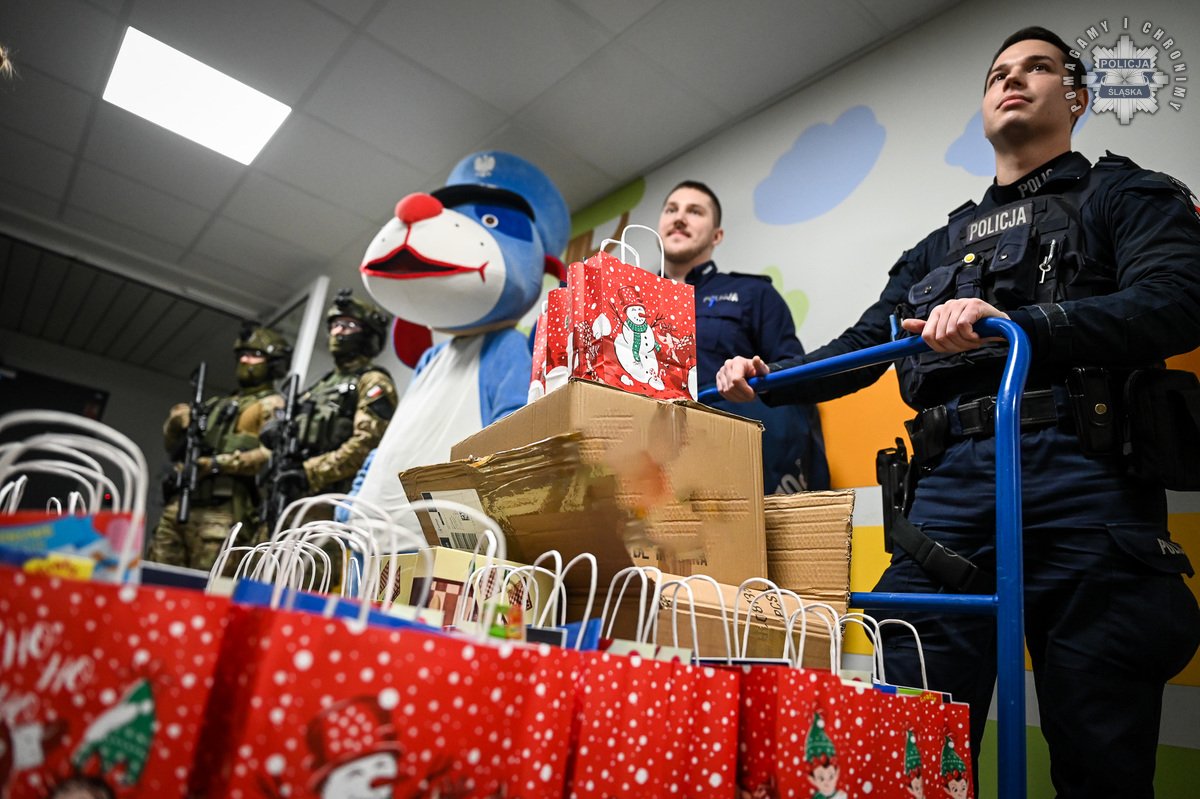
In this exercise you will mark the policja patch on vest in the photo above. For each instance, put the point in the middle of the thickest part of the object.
(1000, 220)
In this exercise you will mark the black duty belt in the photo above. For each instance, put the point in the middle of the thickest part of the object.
(978, 417)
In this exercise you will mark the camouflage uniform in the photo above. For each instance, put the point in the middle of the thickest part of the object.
(225, 492)
(352, 406)
(342, 416)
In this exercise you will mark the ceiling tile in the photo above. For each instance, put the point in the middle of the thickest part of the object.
(29, 163)
(276, 46)
(83, 221)
(283, 211)
(579, 181)
(46, 108)
(401, 108)
(69, 39)
(137, 206)
(460, 40)
(353, 11)
(144, 152)
(108, 6)
(252, 282)
(166, 328)
(26, 202)
(615, 80)
(615, 15)
(274, 258)
(327, 163)
(762, 44)
(899, 16)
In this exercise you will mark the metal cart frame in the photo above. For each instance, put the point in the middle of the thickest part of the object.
(1007, 604)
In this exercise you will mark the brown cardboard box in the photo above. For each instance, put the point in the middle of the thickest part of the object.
(808, 544)
(589, 468)
(767, 623)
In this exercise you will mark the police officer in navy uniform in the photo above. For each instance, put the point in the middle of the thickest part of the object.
(741, 313)
(1100, 266)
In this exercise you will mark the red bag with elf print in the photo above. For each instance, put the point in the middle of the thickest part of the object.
(632, 329)
(102, 687)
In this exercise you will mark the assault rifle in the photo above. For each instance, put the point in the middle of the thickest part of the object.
(287, 457)
(185, 479)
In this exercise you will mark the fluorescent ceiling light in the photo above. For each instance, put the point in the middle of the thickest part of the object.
(161, 84)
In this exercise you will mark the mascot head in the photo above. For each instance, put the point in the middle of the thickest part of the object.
(470, 256)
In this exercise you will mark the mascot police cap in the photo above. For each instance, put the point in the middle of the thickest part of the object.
(493, 169)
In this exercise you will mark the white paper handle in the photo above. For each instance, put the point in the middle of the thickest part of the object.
(662, 252)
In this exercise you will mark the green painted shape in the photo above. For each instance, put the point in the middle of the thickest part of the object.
(796, 299)
(1174, 778)
(609, 207)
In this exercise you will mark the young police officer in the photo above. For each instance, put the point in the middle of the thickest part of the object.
(735, 313)
(1100, 265)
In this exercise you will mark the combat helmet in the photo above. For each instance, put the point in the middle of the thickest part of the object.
(265, 342)
(374, 321)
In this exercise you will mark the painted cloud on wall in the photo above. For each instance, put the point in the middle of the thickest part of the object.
(824, 166)
(972, 152)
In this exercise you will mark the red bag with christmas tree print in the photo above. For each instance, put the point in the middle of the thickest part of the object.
(633, 329)
(102, 687)
(815, 751)
(956, 770)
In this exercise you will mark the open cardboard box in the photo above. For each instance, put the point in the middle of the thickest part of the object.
(589, 468)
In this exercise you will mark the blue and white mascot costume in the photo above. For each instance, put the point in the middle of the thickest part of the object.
(467, 260)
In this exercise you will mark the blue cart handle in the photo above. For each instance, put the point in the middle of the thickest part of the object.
(881, 353)
(1008, 602)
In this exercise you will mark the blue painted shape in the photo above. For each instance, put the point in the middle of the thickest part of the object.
(824, 166)
(973, 152)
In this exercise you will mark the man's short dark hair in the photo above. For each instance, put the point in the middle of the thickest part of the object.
(703, 188)
(1075, 67)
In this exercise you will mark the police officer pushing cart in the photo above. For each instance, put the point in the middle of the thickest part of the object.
(1100, 265)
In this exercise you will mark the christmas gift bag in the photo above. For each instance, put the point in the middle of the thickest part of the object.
(623, 736)
(704, 706)
(102, 687)
(558, 338)
(956, 774)
(105, 477)
(537, 378)
(633, 329)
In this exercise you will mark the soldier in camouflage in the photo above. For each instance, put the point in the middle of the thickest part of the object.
(343, 415)
(233, 456)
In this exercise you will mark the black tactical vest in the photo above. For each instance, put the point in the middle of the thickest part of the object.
(1024, 253)
(327, 410)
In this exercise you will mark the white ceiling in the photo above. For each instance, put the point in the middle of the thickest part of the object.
(387, 95)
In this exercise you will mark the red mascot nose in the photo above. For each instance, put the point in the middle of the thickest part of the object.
(415, 207)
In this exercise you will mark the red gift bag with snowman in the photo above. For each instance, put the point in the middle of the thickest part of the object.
(102, 687)
(631, 328)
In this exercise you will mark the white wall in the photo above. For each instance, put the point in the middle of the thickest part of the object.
(922, 91)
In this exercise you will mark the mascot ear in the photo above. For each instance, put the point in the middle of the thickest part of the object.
(556, 267)
(410, 341)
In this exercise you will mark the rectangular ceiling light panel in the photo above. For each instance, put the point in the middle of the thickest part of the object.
(174, 90)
